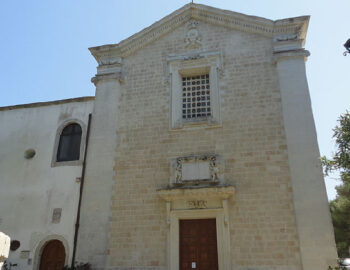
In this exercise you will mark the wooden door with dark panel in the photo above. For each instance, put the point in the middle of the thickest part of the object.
(198, 247)
(53, 256)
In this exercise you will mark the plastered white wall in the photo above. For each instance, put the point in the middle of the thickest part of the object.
(30, 188)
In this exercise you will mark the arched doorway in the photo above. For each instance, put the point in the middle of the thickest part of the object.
(53, 256)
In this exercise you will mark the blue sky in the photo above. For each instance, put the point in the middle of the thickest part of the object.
(45, 56)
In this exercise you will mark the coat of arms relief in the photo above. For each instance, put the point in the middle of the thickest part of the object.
(193, 39)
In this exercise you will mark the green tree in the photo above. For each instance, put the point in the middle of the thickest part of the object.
(340, 207)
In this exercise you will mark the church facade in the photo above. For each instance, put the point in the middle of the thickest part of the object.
(200, 153)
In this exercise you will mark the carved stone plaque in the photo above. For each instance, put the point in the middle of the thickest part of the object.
(24, 254)
(56, 215)
(196, 168)
(197, 204)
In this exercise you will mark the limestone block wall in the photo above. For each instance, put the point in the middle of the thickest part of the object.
(250, 139)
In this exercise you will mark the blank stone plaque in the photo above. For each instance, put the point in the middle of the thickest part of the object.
(196, 171)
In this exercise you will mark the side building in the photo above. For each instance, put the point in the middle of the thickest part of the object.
(42, 149)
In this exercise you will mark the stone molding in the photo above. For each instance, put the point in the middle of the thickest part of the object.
(194, 55)
(47, 103)
(290, 54)
(110, 76)
(285, 37)
(251, 24)
(171, 194)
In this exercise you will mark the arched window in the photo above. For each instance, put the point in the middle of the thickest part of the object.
(69, 144)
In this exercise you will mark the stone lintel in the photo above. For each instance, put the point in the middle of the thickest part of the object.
(176, 193)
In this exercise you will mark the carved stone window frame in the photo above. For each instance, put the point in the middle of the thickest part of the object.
(193, 64)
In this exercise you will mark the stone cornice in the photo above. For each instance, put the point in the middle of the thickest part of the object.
(47, 103)
(110, 76)
(290, 54)
(172, 194)
(225, 18)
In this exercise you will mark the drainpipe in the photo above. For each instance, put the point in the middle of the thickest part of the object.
(81, 192)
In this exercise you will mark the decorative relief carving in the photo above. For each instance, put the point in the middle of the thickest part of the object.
(110, 61)
(193, 57)
(184, 161)
(221, 72)
(178, 171)
(197, 204)
(214, 170)
(285, 37)
(193, 39)
(167, 79)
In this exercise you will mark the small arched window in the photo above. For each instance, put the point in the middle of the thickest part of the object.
(69, 144)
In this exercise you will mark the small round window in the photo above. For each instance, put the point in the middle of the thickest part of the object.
(14, 245)
(30, 153)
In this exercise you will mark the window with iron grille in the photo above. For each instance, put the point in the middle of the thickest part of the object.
(194, 82)
(196, 97)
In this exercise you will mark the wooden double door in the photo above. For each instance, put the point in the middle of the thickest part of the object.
(198, 245)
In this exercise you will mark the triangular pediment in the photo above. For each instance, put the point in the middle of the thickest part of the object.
(251, 24)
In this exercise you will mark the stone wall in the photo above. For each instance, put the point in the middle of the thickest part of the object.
(250, 140)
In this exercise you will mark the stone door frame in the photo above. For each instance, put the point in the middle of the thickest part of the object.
(198, 203)
(222, 235)
(41, 245)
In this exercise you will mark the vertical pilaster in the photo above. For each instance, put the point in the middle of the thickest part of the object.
(315, 230)
(99, 178)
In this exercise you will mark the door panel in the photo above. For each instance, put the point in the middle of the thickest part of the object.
(198, 244)
(53, 256)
